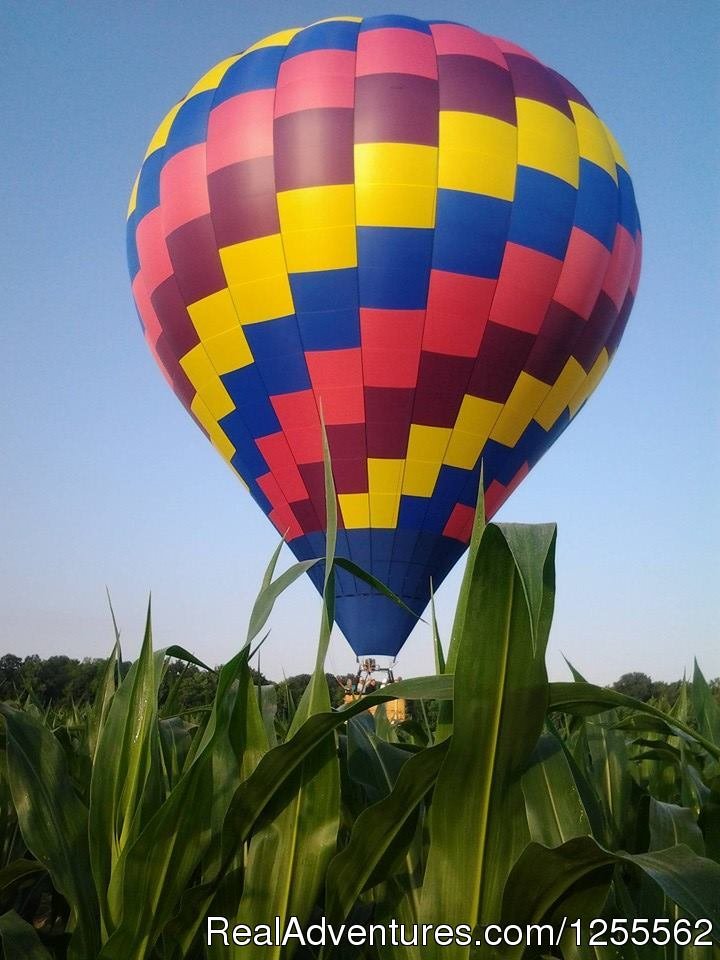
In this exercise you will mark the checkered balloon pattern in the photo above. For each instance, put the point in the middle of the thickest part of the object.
(415, 228)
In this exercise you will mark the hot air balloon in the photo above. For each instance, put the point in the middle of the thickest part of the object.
(414, 227)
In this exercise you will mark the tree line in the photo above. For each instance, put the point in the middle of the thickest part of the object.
(64, 682)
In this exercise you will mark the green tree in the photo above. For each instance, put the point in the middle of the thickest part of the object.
(10, 675)
(638, 685)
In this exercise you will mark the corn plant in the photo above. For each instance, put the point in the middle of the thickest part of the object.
(125, 826)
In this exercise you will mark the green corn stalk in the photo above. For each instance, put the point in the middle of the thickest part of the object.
(53, 821)
(289, 852)
(498, 714)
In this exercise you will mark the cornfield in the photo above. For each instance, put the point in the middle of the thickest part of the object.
(527, 802)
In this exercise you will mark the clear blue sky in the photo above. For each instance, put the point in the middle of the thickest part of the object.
(105, 480)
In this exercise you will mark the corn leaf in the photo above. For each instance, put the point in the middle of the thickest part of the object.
(278, 764)
(458, 627)
(175, 742)
(384, 729)
(498, 714)
(106, 691)
(414, 688)
(585, 699)
(371, 761)
(155, 869)
(269, 594)
(707, 711)
(610, 775)
(290, 850)
(671, 825)
(180, 653)
(380, 835)
(235, 749)
(127, 776)
(437, 644)
(270, 569)
(293, 843)
(16, 873)
(268, 708)
(543, 879)
(553, 804)
(445, 714)
(577, 676)
(19, 939)
(53, 820)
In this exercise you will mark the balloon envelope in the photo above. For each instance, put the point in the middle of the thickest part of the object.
(419, 231)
